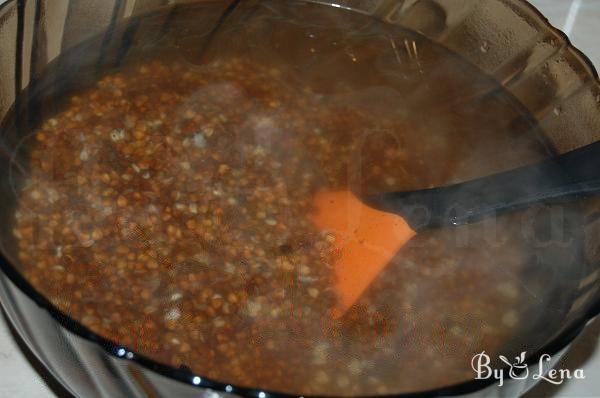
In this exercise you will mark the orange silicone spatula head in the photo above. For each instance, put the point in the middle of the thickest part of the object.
(366, 239)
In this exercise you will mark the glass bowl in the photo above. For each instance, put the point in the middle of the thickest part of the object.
(508, 40)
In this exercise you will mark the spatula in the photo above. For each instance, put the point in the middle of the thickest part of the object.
(369, 231)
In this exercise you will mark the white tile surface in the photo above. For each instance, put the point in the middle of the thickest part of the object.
(18, 379)
(585, 22)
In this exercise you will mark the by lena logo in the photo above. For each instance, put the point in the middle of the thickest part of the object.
(518, 370)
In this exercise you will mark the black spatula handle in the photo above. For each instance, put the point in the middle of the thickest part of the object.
(575, 174)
